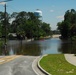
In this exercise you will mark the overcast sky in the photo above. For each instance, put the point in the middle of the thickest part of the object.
(53, 10)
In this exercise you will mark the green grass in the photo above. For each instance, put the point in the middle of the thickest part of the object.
(56, 64)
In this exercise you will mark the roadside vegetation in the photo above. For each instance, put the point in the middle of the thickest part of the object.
(56, 64)
(67, 27)
(23, 24)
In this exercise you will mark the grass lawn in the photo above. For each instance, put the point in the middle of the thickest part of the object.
(56, 64)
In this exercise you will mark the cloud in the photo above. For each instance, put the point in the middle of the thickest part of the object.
(60, 17)
(51, 10)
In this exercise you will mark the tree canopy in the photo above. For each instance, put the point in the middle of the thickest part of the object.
(25, 24)
(68, 26)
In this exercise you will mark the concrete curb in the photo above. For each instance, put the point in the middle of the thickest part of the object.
(33, 64)
(38, 65)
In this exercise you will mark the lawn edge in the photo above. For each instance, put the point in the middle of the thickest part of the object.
(38, 65)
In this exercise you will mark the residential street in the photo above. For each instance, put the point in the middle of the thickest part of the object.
(19, 66)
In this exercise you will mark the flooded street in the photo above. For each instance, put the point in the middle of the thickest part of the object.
(36, 48)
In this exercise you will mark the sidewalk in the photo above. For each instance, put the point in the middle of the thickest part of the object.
(70, 58)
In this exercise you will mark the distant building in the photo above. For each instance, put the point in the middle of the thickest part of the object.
(13, 34)
(38, 13)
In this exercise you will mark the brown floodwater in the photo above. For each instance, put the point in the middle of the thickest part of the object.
(39, 47)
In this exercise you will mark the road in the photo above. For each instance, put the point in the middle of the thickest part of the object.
(56, 36)
(19, 66)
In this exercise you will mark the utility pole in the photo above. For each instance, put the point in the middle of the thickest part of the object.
(5, 25)
(5, 20)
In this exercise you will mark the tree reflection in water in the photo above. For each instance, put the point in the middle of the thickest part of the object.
(21, 48)
(68, 47)
(35, 48)
(3, 50)
(29, 48)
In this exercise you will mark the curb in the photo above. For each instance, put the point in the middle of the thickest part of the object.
(38, 65)
(33, 64)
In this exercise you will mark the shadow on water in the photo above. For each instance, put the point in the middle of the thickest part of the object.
(67, 47)
(15, 47)
(35, 48)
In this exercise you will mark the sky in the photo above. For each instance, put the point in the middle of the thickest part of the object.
(52, 10)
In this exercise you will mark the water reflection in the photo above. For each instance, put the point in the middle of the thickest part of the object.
(68, 47)
(50, 46)
(24, 48)
(35, 48)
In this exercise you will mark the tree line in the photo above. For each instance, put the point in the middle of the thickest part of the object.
(24, 24)
(67, 27)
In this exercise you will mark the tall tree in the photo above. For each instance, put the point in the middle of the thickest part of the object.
(68, 26)
(27, 24)
(46, 28)
(4, 24)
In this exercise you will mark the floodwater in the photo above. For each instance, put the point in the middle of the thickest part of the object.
(40, 47)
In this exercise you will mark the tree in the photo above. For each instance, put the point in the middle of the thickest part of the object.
(46, 28)
(18, 24)
(64, 28)
(68, 26)
(27, 24)
(3, 23)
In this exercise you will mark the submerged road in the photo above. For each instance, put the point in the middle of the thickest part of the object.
(19, 66)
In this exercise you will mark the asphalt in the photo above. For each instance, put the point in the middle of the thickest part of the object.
(27, 65)
(20, 65)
